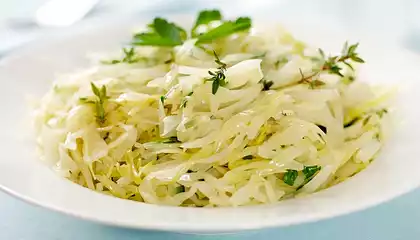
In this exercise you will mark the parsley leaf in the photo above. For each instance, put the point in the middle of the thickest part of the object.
(161, 33)
(310, 171)
(167, 34)
(290, 176)
(205, 17)
(225, 29)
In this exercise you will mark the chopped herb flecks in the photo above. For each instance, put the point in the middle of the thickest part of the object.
(310, 171)
(162, 99)
(205, 17)
(290, 176)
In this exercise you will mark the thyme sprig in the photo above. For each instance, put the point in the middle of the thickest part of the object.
(100, 102)
(218, 77)
(130, 56)
(101, 98)
(331, 64)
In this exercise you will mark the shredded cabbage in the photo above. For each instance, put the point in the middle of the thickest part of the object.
(167, 139)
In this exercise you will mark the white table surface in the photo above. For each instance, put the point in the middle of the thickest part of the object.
(392, 21)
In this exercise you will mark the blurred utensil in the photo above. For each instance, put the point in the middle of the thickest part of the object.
(61, 13)
(55, 13)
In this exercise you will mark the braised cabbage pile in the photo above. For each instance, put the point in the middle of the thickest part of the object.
(225, 115)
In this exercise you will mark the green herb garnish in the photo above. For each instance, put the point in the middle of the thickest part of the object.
(290, 176)
(331, 64)
(205, 17)
(348, 53)
(218, 77)
(99, 102)
(310, 171)
(129, 57)
(162, 99)
(166, 34)
(313, 83)
(248, 157)
(161, 33)
(225, 29)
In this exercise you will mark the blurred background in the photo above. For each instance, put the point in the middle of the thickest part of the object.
(389, 21)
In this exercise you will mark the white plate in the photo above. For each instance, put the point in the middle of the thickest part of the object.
(31, 71)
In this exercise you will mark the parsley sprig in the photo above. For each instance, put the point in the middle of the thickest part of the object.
(166, 34)
(331, 64)
(291, 175)
(161, 33)
(218, 77)
(310, 171)
(225, 29)
(205, 17)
